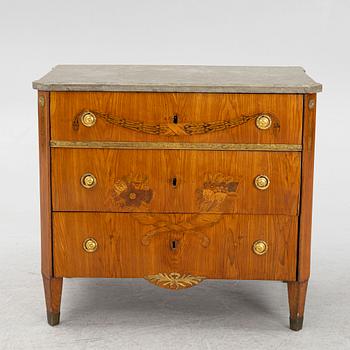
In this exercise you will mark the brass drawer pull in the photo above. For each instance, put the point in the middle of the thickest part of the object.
(88, 119)
(260, 247)
(262, 182)
(263, 122)
(90, 245)
(88, 180)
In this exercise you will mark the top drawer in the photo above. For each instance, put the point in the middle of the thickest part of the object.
(176, 117)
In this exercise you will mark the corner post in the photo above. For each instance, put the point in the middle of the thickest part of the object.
(52, 285)
(297, 289)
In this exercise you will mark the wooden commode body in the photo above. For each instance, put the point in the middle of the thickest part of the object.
(176, 174)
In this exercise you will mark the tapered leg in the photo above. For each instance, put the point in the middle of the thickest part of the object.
(296, 297)
(53, 292)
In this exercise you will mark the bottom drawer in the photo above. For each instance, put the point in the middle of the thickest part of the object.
(207, 245)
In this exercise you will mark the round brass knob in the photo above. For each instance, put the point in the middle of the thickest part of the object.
(88, 119)
(263, 122)
(260, 247)
(90, 245)
(262, 182)
(88, 180)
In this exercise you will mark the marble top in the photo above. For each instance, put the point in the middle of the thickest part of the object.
(215, 79)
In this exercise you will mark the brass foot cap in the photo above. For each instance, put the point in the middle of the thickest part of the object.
(296, 324)
(53, 318)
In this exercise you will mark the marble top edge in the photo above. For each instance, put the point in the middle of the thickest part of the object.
(179, 78)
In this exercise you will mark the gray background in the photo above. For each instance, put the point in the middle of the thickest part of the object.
(36, 35)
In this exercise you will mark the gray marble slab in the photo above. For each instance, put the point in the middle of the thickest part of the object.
(224, 79)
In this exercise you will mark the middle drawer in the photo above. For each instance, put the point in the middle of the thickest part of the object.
(175, 181)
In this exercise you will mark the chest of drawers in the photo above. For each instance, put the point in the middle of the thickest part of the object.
(176, 174)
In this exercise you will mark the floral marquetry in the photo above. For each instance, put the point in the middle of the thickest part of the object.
(216, 192)
(132, 191)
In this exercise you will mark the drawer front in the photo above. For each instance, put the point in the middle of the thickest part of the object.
(200, 117)
(207, 245)
(175, 181)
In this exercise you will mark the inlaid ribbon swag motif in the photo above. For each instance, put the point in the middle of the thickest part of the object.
(168, 129)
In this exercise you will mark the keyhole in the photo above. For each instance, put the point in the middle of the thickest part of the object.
(175, 119)
(174, 182)
(174, 244)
